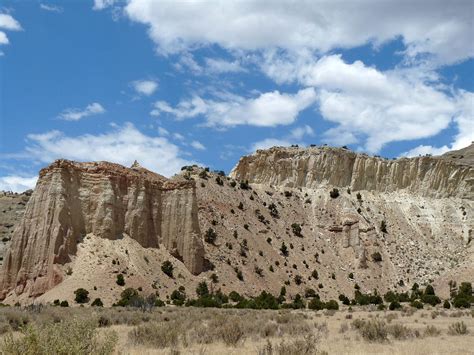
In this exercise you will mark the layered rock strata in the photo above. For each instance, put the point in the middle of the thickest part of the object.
(108, 200)
(310, 167)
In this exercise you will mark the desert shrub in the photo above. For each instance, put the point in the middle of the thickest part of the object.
(66, 337)
(344, 299)
(244, 185)
(120, 280)
(431, 331)
(231, 333)
(202, 290)
(82, 295)
(416, 304)
(461, 302)
(156, 335)
(298, 279)
(315, 274)
(331, 305)
(365, 299)
(104, 321)
(159, 303)
(298, 303)
(430, 299)
(239, 274)
(307, 345)
(377, 257)
(446, 304)
(399, 331)
(296, 228)
(394, 306)
(429, 290)
(316, 304)
(334, 193)
(210, 236)
(464, 297)
(97, 303)
(16, 320)
(178, 297)
(458, 328)
(64, 304)
(167, 268)
(219, 181)
(284, 249)
(273, 210)
(383, 227)
(373, 330)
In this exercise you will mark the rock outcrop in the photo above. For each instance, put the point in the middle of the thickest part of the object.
(108, 200)
(310, 167)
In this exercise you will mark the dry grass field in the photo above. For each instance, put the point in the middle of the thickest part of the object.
(173, 330)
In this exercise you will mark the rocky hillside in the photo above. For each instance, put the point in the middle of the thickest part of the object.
(309, 218)
(311, 167)
(107, 200)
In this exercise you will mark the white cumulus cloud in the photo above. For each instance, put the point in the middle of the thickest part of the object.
(102, 4)
(7, 22)
(51, 8)
(266, 110)
(295, 136)
(198, 145)
(16, 183)
(145, 87)
(369, 105)
(75, 114)
(432, 28)
(122, 145)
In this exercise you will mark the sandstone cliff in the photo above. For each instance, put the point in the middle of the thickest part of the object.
(311, 167)
(107, 200)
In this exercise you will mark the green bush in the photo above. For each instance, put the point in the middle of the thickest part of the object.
(344, 299)
(430, 299)
(316, 304)
(167, 268)
(284, 249)
(394, 306)
(296, 228)
(377, 257)
(82, 295)
(129, 297)
(120, 280)
(202, 290)
(97, 303)
(446, 304)
(178, 297)
(334, 193)
(332, 304)
(210, 236)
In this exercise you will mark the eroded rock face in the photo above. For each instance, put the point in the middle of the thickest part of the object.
(310, 167)
(73, 199)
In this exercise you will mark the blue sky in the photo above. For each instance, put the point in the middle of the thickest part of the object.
(172, 83)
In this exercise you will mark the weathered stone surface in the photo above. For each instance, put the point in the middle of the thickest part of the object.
(311, 167)
(108, 200)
